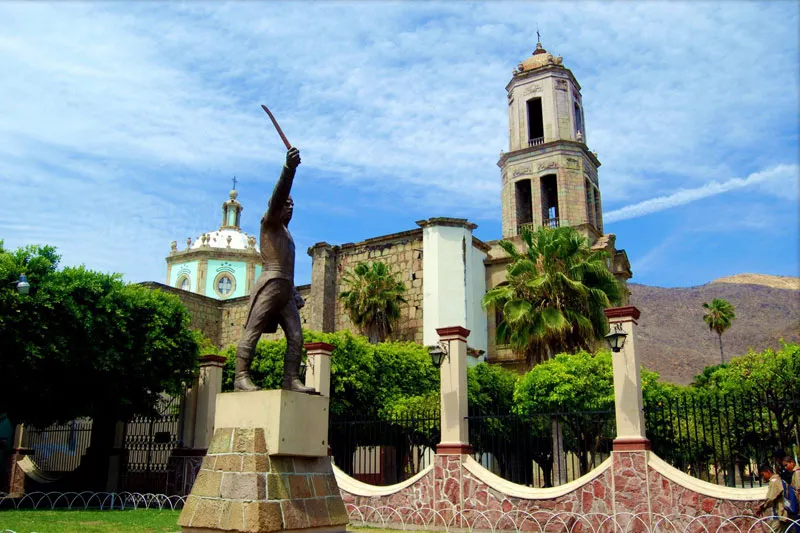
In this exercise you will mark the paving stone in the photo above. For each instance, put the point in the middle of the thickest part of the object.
(295, 515)
(277, 487)
(221, 442)
(207, 483)
(208, 513)
(298, 486)
(262, 517)
(230, 462)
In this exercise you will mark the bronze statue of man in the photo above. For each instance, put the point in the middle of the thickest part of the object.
(274, 300)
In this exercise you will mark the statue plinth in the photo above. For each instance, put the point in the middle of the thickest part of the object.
(267, 468)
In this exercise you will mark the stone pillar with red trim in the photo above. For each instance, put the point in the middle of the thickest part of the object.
(631, 447)
(318, 367)
(454, 445)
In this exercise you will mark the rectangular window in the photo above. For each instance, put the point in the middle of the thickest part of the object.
(578, 120)
(524, 203)
(535, 122)
(549, 201)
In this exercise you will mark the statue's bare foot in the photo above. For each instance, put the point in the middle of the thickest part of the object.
(244, 383)
(294, 384)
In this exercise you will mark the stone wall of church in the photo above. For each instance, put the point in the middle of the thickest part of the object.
(402, 253)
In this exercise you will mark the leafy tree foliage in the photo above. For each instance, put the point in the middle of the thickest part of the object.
(372, 299)
(719, 316)
(365, 378)
(557, 290)
(84, 343)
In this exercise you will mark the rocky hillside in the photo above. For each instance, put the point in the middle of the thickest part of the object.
(675, 341)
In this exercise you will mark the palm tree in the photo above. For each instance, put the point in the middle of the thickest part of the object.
(372, 299)
(557, 290)
(719, 317)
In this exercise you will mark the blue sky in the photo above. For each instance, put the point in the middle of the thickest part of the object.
(122, 124)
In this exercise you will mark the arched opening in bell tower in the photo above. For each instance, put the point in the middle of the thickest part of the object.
(535, 122)
(522, 188)
(549, 186)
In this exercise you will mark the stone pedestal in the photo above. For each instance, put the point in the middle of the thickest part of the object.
(267, 468)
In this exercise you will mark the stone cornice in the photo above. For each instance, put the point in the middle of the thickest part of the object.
(206, 252)
(541, 72)
(446, 221)
(550, 147)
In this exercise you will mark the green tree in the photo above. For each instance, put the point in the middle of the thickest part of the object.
(385, 381)
(372, 299)
(719, 316)
(577, 392)
(557, 290)
(85, 344)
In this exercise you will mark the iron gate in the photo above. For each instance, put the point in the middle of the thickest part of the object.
(149, 442)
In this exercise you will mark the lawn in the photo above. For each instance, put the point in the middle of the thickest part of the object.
(129, 521)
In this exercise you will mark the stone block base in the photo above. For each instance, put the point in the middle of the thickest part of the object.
(243, 486)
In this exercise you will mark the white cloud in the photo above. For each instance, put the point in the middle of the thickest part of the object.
(142, 109)
(781, 179)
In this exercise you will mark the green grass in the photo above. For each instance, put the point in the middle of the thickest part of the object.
(129, 521)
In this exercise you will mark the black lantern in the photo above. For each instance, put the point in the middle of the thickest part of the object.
(616, 338)
(23, 287)
(303, 367)
(438, 354)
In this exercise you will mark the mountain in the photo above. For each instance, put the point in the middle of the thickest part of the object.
(675, 342)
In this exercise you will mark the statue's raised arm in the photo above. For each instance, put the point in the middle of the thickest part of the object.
(274, 300)
(280, 195)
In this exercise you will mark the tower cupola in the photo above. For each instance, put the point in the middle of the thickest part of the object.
(231, 212)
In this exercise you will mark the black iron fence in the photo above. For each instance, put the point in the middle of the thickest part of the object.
(541, 449)
(149, 441)
(58, 448)
(722, 438)
(384, 450)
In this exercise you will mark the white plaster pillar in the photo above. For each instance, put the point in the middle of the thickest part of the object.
(627, 383)
(208, 386)
(453, 372)
(318, 367)
(189, 414)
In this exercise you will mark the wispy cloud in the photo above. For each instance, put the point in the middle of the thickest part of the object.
(123, 122)
(781, 179)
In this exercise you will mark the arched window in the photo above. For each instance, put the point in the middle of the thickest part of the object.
(184, 283)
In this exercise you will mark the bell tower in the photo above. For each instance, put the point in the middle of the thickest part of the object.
(549, 175)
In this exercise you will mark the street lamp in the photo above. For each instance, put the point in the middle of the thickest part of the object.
(616, 338)
(23, 287)
(438, 353)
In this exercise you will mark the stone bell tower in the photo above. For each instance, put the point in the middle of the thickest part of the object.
(549, 175)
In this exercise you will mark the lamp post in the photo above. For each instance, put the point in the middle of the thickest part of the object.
(616, 338)
(438, 353)
(23, 287)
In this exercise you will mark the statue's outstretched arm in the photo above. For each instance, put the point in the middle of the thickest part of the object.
(282, 189)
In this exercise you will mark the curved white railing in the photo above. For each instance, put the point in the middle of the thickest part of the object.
(358, 488)
(704, 487)
(530, 493)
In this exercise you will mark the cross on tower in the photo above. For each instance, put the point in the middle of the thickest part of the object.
(538, 38)
(234, 183)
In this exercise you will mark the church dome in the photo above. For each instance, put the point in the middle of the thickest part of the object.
(540, 58)
(222, 238)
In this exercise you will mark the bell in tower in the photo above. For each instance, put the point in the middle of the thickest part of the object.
(549, 176)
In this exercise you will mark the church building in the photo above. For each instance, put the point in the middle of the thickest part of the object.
(549, 178)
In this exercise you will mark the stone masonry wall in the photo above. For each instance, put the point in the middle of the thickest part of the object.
(222, 321)
(628, 489)
(402, 253)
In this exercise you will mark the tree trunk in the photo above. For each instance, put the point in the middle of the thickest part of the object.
(721, 355)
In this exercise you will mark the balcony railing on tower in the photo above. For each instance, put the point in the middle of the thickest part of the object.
(550, 222)
(536, 142)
